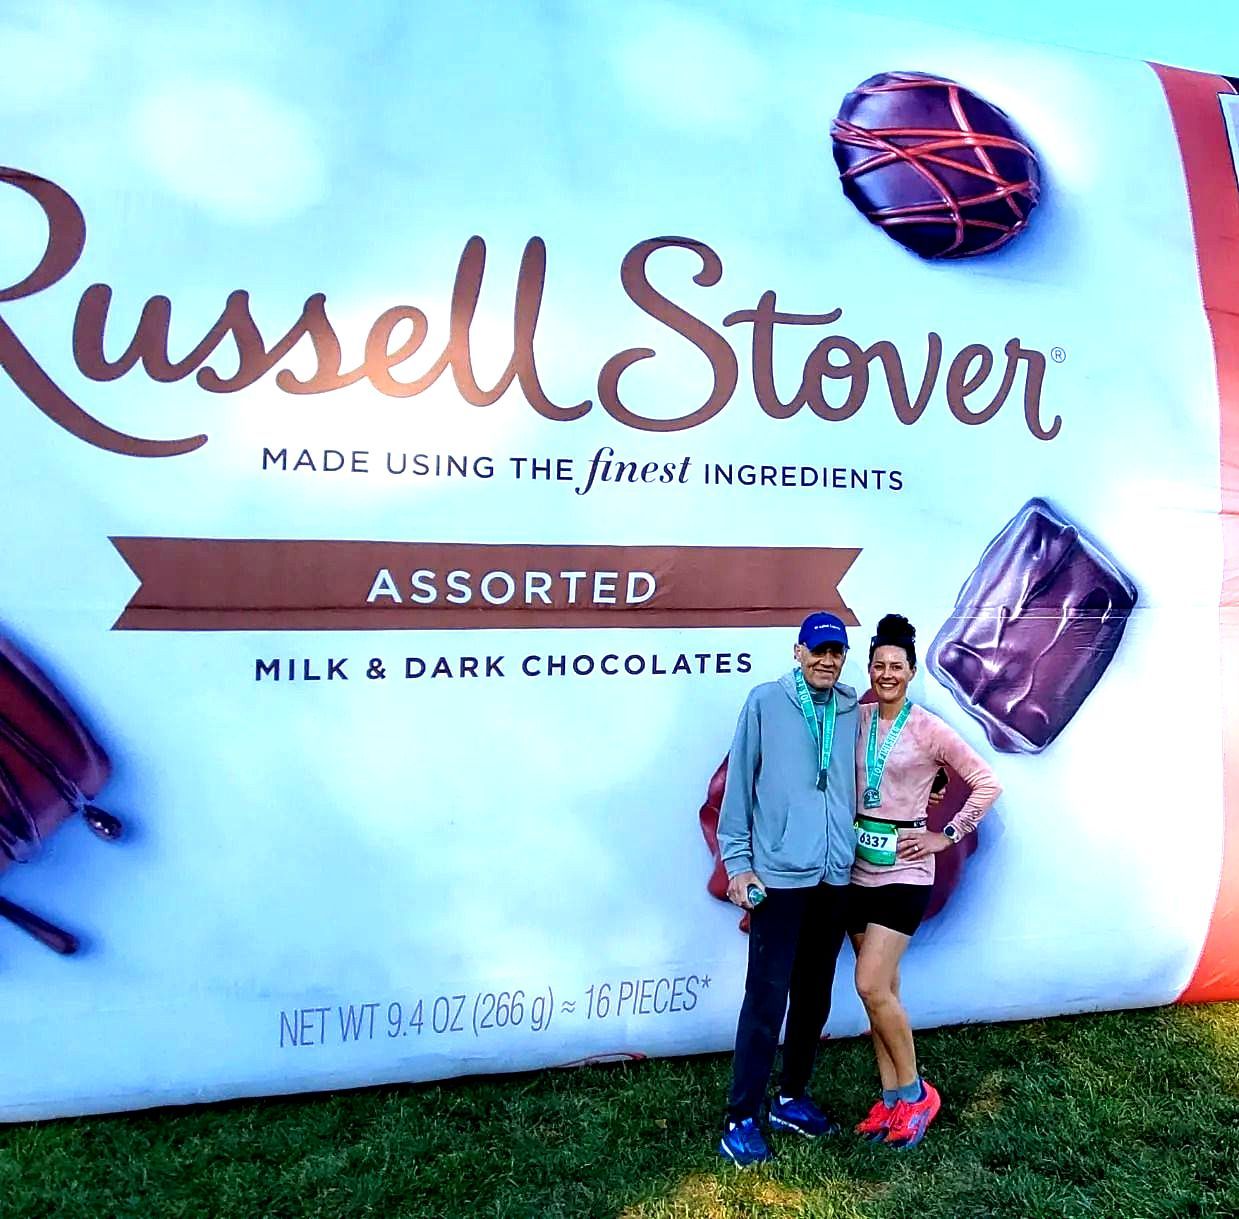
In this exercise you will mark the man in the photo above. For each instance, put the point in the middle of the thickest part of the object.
(785, 836)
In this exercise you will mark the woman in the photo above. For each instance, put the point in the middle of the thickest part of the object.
(899, 748)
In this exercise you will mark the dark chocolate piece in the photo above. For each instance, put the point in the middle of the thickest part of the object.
(50, 768)
(949, 864)
(943, 171)
(1033, 630)
(708, 816)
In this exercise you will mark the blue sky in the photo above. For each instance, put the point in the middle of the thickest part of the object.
(1200, 34)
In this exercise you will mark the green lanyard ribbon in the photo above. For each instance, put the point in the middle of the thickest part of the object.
(875, 759)
(823, 736)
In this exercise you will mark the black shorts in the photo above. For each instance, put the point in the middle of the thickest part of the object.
(899, 907)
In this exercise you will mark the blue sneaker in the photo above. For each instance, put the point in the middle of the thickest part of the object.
(801, 1115)
(743, 1142)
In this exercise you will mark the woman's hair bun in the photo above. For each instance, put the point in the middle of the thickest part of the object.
(895, 629)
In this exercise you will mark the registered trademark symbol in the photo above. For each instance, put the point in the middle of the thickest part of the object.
(1057, 354)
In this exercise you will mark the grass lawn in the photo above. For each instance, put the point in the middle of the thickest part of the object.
(1125, 1116)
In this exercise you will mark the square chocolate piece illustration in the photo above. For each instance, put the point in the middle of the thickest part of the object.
(1034, 628)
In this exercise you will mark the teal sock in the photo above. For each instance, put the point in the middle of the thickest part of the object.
(889, 1097)
(912, 1092)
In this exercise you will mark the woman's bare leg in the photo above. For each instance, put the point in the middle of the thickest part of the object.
(886, 1067)
(878, 954)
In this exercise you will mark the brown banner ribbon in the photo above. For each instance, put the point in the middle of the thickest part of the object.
(231, 584)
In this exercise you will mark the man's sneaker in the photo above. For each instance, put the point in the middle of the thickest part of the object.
(743, 1142)
(912, 1118)
(801, 1115)
(877, 1122)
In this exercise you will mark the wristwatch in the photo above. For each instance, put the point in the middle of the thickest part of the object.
(951, 832)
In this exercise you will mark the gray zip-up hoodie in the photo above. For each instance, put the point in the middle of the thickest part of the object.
(774, 821)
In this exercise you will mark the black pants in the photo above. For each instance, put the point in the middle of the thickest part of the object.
(794, 938)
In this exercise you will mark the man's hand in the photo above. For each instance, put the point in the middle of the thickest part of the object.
(738, 889)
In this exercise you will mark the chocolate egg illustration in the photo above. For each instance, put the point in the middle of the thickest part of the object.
(944, 172)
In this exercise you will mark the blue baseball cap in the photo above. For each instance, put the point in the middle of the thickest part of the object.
(822, 628)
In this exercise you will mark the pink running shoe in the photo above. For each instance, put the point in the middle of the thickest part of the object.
(877, 1122)
(912, 1118)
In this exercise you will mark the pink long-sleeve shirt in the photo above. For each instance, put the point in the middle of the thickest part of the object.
(923, 745)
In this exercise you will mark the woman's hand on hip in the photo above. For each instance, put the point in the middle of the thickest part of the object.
(917, 845)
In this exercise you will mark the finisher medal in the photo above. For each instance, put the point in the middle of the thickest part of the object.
(875, 758)
(823, 737)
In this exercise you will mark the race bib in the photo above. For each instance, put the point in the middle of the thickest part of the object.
(875, 841)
